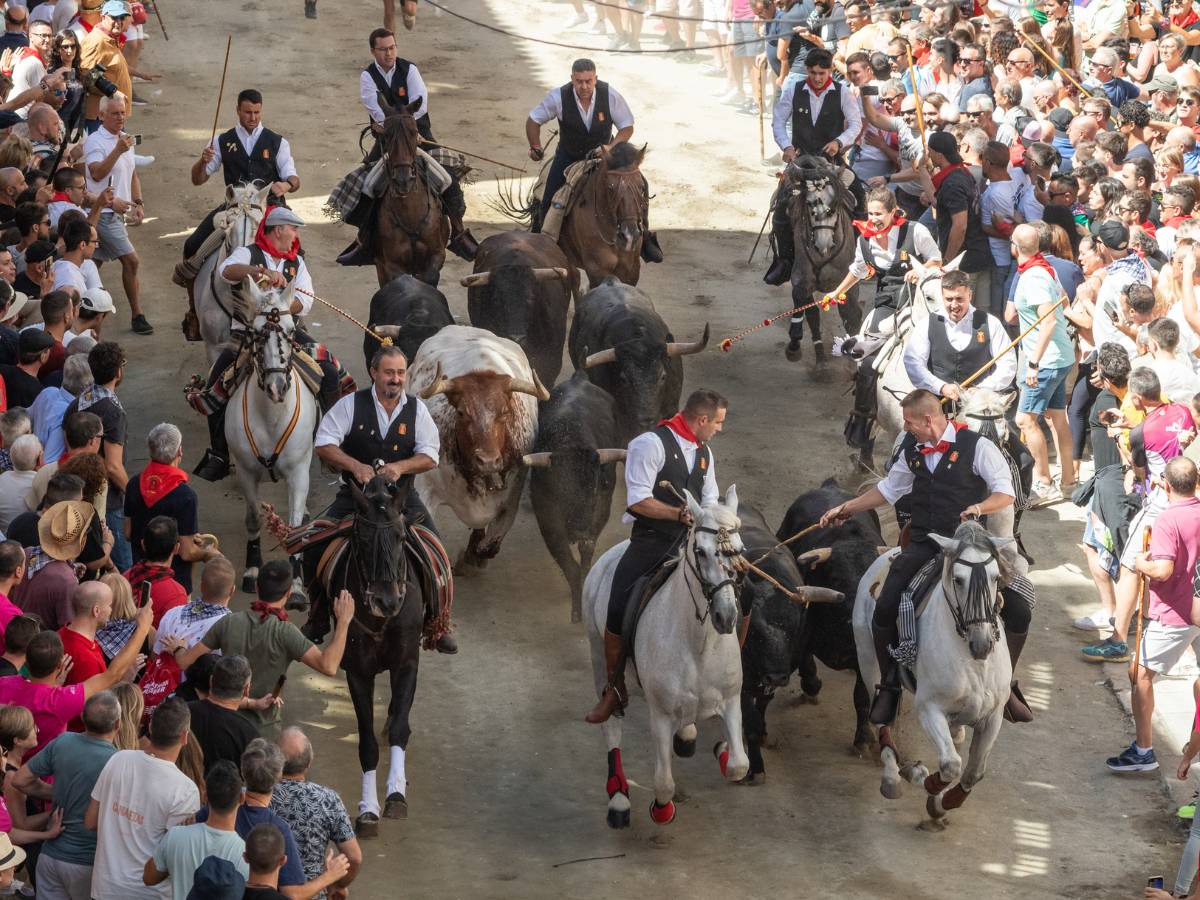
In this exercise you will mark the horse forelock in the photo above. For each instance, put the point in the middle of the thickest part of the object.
(624, 157)
(973, 536)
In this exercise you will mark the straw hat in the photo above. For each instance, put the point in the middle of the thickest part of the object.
(63, 528)
(10, 856)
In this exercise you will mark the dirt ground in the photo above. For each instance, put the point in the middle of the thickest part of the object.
(506, 781)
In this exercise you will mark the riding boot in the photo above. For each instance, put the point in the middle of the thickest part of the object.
(651, 251)
(1016, 709)
(613, 700)
(887, 692)
(215, 464)
(462, 242)
(357, 253)
(780, 271)
(190, 323)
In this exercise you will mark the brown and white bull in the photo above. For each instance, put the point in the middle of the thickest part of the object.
(483, 396)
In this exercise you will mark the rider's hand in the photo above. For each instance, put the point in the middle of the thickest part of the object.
(271, 277)
(361, 472)
(952, 392)
(835, 516)
(279, 188)
(833, 148)
(789, 154)
(971, 512)
(684, 517)
(392, 471)
(537, 154)
(207, 154)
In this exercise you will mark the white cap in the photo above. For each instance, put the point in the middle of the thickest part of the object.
(97, 300)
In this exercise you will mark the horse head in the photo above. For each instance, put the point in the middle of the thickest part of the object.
(271, 337)
(400, 142)
(817, 192)
(974, 566)
(245, 206)
(624, 192)
(714, 557)
(986, 412)
(377, 553)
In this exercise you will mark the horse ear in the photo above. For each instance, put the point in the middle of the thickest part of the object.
(847, 176)
(693, 507)
(264, 193)
(731, 498)
(359, 498)
(642, 154)
(229, 194)
(385, 102)
(413, 107)
(944, 542)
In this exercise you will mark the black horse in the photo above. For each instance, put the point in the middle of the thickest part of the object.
(385, 636)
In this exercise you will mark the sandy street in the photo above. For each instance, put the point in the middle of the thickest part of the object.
(506, 780)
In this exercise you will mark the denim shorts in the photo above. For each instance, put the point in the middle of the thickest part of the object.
(1050, 393)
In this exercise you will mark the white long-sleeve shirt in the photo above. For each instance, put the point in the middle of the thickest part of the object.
(960, 334)
(988, 464)
(646, 457)
(851, 111)
(283, 159)
(303, 281)
(336, 424)
(882, 257)
(368, 90)
(551, 108)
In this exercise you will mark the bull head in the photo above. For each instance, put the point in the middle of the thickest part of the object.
(541, 273)
(688, 348)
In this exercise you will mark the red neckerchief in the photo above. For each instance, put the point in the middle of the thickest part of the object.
(264, 243)
(816, 90)
(88, 26)
(26, 52)
(942, 446)
(266, 609)
(66, 455)
(865, 229)
(60, 197)
(1175, 221)
(941, 176)
(921, 57)
(1035, 262)
(677, 424)
(1190, 19)
(158, 480)
(1148, 227)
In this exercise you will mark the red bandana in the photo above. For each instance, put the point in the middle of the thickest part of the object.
(264, 243)
(1175, 221)
(1184, 21)
(158, 480)
(865, 229)
(818, 90)
(1148, 227)
(266, 609)
(941, 176)
(677, 424)
(942, 446)
(60, 197)
(1035, 262)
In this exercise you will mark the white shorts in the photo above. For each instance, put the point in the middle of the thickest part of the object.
(1164, 645)
(1143, 520)
(692, 8)
(714, 13)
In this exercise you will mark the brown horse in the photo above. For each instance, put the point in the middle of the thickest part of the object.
(603, 232)
(413, 229)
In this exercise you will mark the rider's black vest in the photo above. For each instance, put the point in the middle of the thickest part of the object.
(938, 498)
(953, 365)
(262, 163)
(364, 442)
(259, 258)
(831, 121)
(396, 92)
(888, 282)
(675, 471)
(575, 140)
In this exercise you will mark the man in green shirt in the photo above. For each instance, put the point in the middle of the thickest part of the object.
(269, 641)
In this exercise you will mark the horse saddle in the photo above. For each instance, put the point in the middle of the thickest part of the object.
(565, 197)
(639, 598)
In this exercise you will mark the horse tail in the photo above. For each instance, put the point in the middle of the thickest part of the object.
(515, 204)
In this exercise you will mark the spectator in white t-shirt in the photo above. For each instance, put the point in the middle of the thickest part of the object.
(1176, 375)
(79, 241)
(998, 207)
(139, 795)
(191, 621)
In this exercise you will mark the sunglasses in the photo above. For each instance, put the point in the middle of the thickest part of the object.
(891, 99)
(1185, 102)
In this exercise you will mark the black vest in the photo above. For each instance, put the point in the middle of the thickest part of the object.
(953, 365)
(397, 91)
(259, 166)
(574, 140)
(364, 442)
(810, 138)
(938, 498)
(290, 266)
(675, 471)
(889, 281)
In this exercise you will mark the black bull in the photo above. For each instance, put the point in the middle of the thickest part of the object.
(408, 311)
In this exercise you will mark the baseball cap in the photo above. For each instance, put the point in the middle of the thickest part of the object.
(1163, 82)
(944, 143)
(116, 9)
(281, 215)
(1031, 133)
(1113, 234)
(1061, 119)
(8, 118)
(97, 300)
(39, 251)
(34, 340)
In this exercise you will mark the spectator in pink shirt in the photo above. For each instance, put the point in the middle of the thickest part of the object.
(1170, 567)
(12, 570)
(54, 705)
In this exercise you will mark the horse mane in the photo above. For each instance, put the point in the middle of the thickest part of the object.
(624, 156)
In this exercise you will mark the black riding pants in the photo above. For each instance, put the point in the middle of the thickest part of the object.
(555, 178)
(644, 554)
(904, 569)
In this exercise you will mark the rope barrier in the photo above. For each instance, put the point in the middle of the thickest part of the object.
(827, 302)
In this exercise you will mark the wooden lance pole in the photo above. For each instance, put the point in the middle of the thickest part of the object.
(221, 91)
(991, 362)
(912, 73)
(1035, 46)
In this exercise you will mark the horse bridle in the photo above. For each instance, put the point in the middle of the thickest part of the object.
(259, 339)
(394, 168)
(625, 180)
(976, 586)
(358, 564)
(725, 550)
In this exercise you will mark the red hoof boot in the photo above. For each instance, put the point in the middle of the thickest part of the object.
(721, 752)
(955, 797)
(934, 784)
(662, 815)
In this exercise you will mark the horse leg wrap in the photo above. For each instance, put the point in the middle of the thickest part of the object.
(617, 783)
(370, 794)
(955, 797)
(934, 784)
(397, 783)
(662, 815)
(721, 752)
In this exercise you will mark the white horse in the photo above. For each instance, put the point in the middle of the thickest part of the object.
(246, 204)
(270, 421)
(688, 663)
(963, 670)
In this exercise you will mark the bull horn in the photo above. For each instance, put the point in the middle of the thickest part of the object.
(438, 385)
(814, 557)
(543, 274)
(804, 595)
(688, 348)
(387, 331)
(537, 460)
(611, 456)
(601, 358)
(479, 279)
(533, 388)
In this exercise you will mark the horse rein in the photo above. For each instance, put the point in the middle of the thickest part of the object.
(258, 340)
(725, 550)
(360, 565)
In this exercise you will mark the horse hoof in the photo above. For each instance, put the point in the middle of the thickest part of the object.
(684, 749)
(409, 21)
(752, 779)
(297, 601)
(250, 583)
(662, 815)
(618, 818)
(395, 807)
(366, 826)
(890, 789)
(721, 753)
(934, 808)
(793, 351)
(809, 699)
(819, 351)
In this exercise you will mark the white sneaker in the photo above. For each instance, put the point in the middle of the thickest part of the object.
(139, 160)
(576, 21)
(599, 26)
(616, 42)
(1097, 621)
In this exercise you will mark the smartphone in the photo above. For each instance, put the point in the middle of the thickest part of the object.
(278, 689)
(110, 178)
(137, 140)
(869, 90)
(144, 596)
(1156, 882)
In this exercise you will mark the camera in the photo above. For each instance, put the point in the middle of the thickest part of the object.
(869, 90)
(94, 80)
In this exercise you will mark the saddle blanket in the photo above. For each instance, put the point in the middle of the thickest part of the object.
(367, 179)
(563, 200)
(306, 361)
